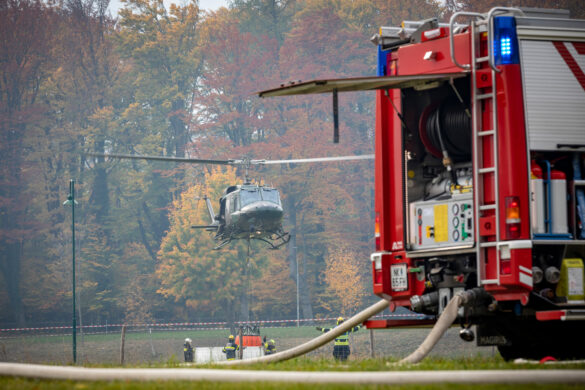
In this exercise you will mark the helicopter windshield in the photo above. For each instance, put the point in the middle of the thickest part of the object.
(270, 195)
(247, 197)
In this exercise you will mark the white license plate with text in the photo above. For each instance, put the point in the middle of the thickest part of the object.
(399, 277)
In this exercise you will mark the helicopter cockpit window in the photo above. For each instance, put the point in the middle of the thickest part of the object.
(270, 195)
(247, 197)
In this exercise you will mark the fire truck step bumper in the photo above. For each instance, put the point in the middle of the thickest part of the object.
(561, 315)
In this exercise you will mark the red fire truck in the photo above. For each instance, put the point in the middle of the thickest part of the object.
(479, 174)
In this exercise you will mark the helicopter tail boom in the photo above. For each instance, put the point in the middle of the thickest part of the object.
(210, 209)
(208, 227)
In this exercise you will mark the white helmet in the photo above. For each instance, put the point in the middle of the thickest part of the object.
(188, 340)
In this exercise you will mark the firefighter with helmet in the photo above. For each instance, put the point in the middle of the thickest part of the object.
(269, 346)
(230, 348)
(188, 350)
(341, 349)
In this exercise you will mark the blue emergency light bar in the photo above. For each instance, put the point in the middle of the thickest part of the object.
(382, 59)
(506, 49)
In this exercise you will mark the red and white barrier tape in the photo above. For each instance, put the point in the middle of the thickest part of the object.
(199, 324)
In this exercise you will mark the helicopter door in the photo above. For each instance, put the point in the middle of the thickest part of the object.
(234, 203)
(222, 209)
(231, 206)
(228, 211)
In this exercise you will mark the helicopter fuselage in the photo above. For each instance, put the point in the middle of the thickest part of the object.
(250, 211)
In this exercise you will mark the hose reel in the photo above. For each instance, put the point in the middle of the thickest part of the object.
(446, 127)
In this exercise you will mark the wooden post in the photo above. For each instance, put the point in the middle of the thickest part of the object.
(123, 339)
(335, 118)
(241, 351)
(372, 354)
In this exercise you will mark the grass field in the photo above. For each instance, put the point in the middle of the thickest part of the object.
(155, 347)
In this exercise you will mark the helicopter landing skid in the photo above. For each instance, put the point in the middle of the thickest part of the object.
(222, 244)
(272, 246)
(285, 237)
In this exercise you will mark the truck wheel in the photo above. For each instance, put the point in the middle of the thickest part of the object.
(511, 352)
(536, 340)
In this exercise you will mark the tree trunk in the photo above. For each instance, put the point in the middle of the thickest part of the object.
(231, 316)
(245, 296)
(304, 293)
(11, 271)
(99, 200)
(122, 342)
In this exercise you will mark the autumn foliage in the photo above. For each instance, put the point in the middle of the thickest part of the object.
(345, 277)
(180, 81)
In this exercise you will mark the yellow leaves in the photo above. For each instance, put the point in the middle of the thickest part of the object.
(104, 114)
(189, 268)
(344, 276)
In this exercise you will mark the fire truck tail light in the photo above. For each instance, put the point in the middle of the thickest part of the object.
(505, 41)
(378, 276)
(377, 231)
(513, 217)
(505, 267)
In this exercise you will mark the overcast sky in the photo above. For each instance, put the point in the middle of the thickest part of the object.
(115, 5)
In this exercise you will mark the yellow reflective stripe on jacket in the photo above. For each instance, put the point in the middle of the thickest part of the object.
(342, 339)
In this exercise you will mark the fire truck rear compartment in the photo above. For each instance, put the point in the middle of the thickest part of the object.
(437, 160)
(438, 191)
(439, 201)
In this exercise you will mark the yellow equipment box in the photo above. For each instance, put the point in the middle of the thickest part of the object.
(571, 283)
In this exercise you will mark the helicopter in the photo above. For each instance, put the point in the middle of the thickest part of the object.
(246, 211)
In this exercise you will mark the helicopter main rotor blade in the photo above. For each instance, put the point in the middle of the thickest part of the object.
(313, 160)
(232, 162)
(162, 158)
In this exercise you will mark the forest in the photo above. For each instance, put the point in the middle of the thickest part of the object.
(76, 81)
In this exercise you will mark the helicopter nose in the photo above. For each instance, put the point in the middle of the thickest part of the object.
(264, 213)
(268, 210)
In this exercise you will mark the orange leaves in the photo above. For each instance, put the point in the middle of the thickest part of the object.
(274, 291)
(344, 275)
(237, 64)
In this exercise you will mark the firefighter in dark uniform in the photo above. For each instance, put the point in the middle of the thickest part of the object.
(341, 349)
(269, 346)
(230, 348)
(188, 350)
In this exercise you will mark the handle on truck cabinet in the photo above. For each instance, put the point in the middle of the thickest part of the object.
(452, 34)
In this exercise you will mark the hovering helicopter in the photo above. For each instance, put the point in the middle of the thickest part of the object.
(246, 211)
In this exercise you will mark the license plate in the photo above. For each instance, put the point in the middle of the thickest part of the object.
(399, 277)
